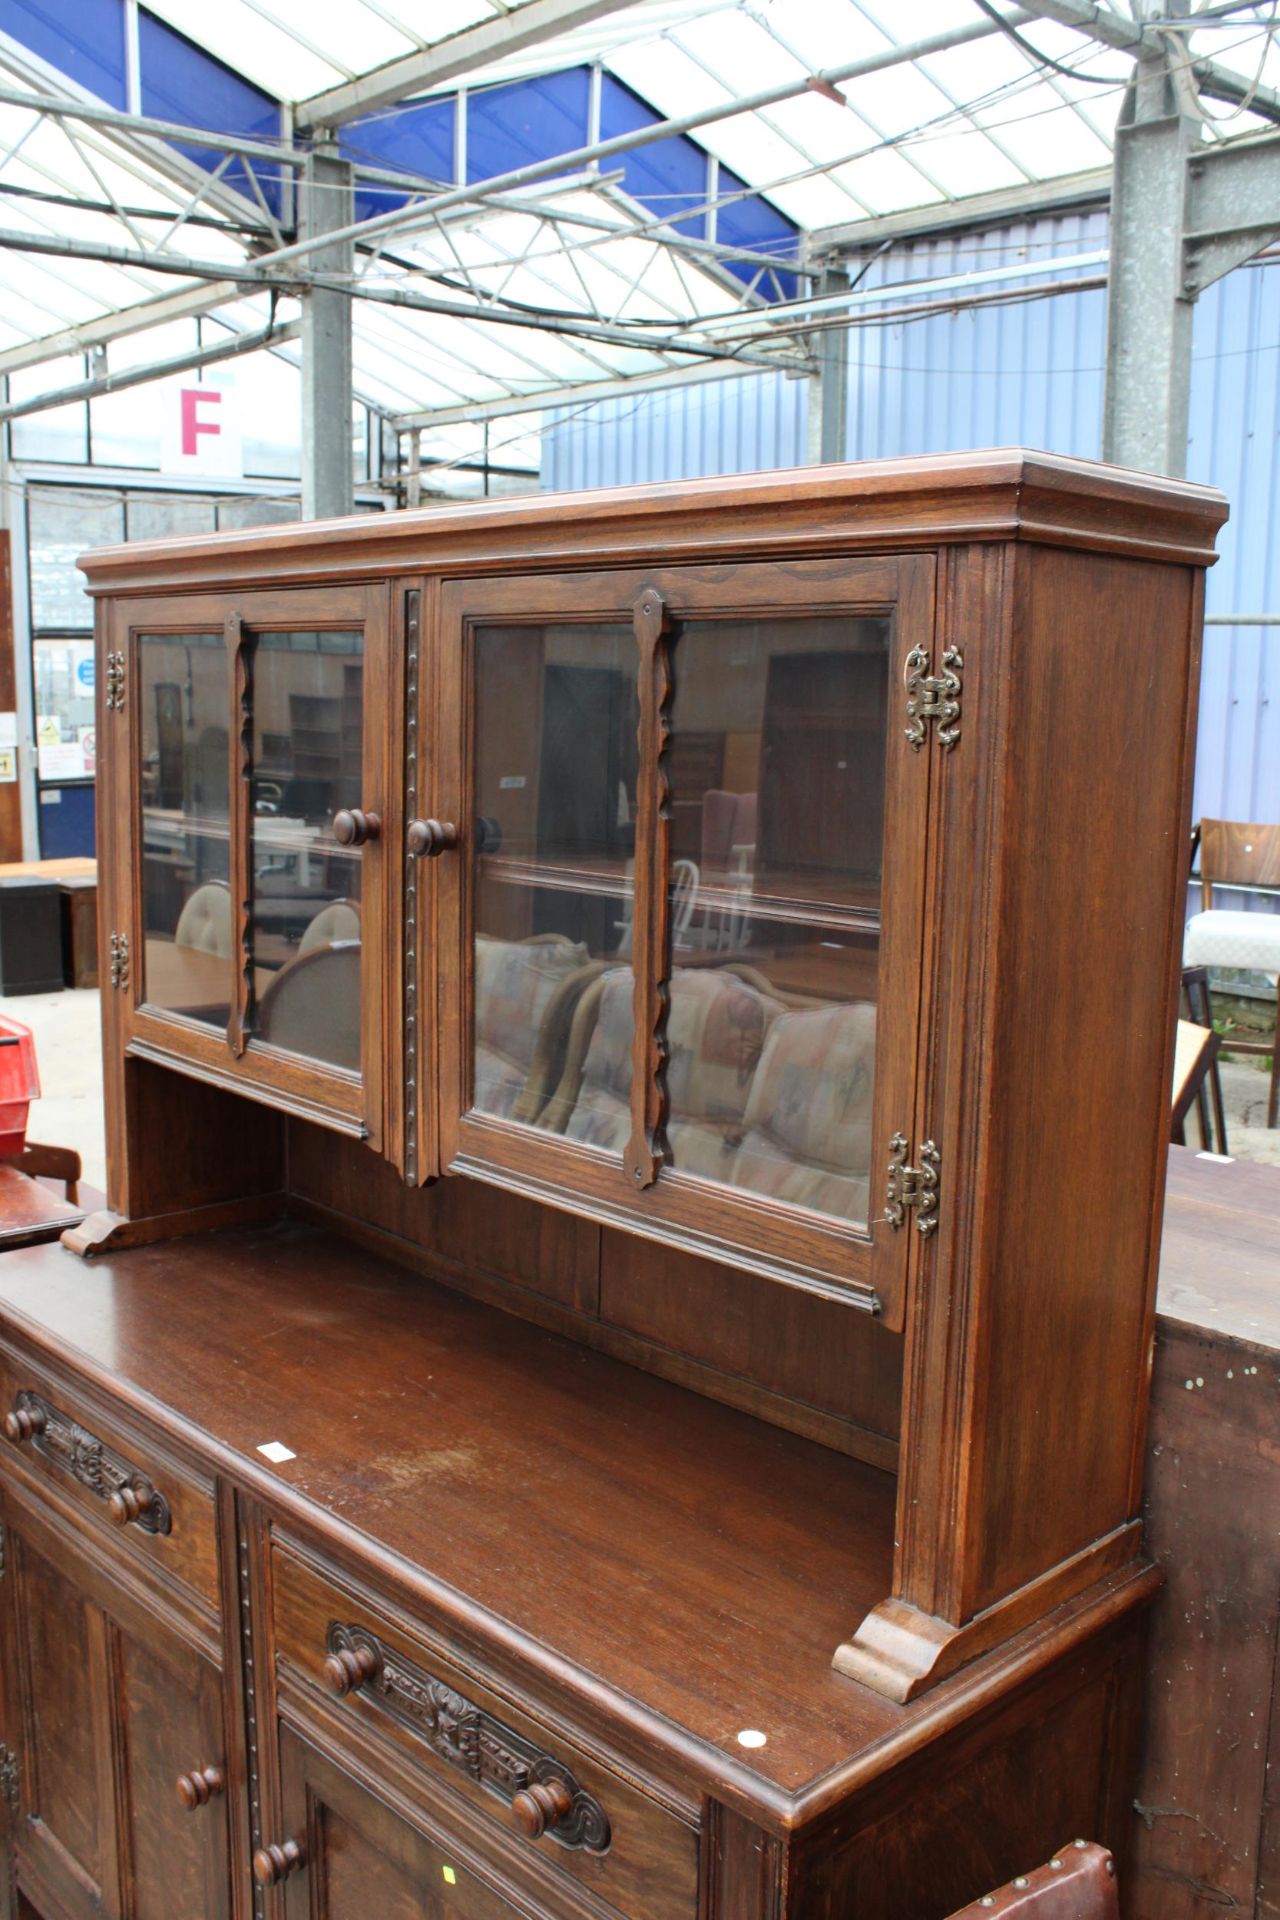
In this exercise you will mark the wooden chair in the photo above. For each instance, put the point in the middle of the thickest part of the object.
(1237, 853)
(1197, 1006)
(51, 1163)
(1079, 1883)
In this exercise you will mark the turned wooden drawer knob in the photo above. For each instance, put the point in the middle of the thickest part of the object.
(351, 827)
(349, 1668)
(431, 837)
(24, 1423)
(198, 1789)
(539, 1808)
(273, 1864)
(128, 1504)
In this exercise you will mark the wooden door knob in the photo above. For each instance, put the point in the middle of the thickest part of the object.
(199, 1788)
(538, 1808)
(24, 1423)
(130, 1503)
(351, 827)
(349, 1668)
(273, 1864)
(431, 837)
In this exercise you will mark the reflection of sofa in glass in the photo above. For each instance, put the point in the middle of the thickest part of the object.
(525, 995)
(766, 1092)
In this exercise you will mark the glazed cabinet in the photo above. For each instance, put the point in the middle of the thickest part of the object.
(637, 1040)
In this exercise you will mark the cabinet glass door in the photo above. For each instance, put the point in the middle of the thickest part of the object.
(306, 773)
(183, 723)
(683, 881)
(260, 762)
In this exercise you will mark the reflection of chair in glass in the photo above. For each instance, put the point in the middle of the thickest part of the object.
(312, 1006)
(205, 921)
(729, 855)
(807, 1130)
(684, 897)
(515, 984)
(339, 921)
(1236, 853)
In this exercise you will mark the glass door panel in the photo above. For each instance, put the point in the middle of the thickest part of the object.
(777, 768)
(554, 804)
(184, 767)
(305, 884)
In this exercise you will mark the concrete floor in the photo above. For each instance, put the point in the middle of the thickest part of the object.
(69, 1113)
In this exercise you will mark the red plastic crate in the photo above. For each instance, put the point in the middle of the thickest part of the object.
(19, 1085)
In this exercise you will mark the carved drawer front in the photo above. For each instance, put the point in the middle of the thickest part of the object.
(124, 1484)
(563, 1808)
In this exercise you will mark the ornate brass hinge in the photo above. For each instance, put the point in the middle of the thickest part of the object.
(933, 697)
(115, 683)
(10, 1782)
(118, 948)
(915, 1187)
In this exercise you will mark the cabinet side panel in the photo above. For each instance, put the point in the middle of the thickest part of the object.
(1076, 1106)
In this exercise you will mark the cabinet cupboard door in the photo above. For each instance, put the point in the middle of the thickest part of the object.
(258, 746)
(352, 1857)
(682, 838)
(105, 1718)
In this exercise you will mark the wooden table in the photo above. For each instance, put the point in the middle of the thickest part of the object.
(1208, 1832)
(30, 1211)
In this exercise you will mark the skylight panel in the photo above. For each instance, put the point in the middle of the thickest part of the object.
(738, 53)
(817, 202)
(898, 98)
(968, 162)
(1056, 140)
(665, 76)
(264, 51)
(885, 182)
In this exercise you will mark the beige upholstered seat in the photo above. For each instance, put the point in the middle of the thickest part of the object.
(807, 1134)
(340, 920)
(715, 1031)
(517, 985)
(205, 921)
(312, 1006)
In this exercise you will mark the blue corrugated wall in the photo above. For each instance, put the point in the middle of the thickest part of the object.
(1020, 375)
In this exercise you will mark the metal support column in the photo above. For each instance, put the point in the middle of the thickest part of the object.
(326, 203)
(829, 381)
(1149, 312)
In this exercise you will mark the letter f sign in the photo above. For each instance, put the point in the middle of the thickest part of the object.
(193, 398)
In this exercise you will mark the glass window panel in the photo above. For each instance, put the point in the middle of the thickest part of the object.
(64, 674)
(777, 792)
(308, 726)
(555, 803)
(63, 523)
(186, 898)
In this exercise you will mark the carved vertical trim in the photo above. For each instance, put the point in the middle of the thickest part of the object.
(413, 652)
(650, 959)
(240, 828)
(244, 1589)
(2, 1552)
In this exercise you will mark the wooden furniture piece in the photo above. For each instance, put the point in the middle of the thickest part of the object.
(79, 931)
(1195, 1061)
(1197, 1005)
(641, 1432)
(50, 1163)
(1077, 1883)
(1208, 1835)
(30, 1212)
(30, 936)
(1240, 854)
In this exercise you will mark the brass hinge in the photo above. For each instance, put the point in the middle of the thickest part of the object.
(115, 682)
(933, 697)
(10, 1784)
(118, 948)
(915, 1187)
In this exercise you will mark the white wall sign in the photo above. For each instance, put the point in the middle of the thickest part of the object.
(200, 428)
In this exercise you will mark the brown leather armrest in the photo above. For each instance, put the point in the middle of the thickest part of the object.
(1079, 1883)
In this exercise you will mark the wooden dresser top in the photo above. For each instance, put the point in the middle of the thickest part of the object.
(666, 1559)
